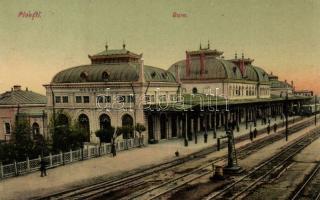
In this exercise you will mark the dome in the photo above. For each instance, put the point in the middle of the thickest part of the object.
(214, 69)
(255, 73)
(111, 72)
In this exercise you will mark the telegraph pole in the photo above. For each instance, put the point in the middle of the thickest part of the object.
(315, 110)
(287, 110)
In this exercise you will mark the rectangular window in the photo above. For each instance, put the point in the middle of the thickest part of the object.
(100, 99)
(152, 98)
(86, 99)
(130, 99)
(65, 99)
(108, 99)
(147, 99)
(173, 97)
(8, 128)
(58, 99)
(162, 98)
(78, 99)
(121, 99)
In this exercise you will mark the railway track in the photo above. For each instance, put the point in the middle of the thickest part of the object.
(135, 179)
(159, 190)
(310, 188)
(241, 187)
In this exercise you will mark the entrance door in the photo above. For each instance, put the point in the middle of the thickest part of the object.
(174, 126)
(150, 128)
(163, 127)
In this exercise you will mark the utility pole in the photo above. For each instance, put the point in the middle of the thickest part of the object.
(315, 110)
(287, 110)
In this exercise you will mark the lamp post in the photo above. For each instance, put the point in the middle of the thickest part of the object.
(286, 114)
(215, 116)
(315, 110)
(185, 134)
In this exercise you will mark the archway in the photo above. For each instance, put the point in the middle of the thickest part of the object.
(127, 120)
(84, 125)
(105, 124)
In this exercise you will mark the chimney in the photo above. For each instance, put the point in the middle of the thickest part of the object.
(17, 87)
(141, 72)
(177, 74)
(27, 89)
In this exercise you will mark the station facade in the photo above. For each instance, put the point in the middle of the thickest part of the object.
(118, 89)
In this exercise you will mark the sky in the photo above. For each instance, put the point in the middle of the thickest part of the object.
(282, 36)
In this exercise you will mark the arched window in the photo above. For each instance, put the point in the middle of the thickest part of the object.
(84, 76)
(105, 76)
(35, 128)
(127, 120)
(84, 125)
(105, 121)
(194, 90)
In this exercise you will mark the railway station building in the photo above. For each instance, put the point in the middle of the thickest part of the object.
(202, 91)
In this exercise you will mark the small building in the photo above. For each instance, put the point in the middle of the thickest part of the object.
(280, 88)
(306, 93)
(17, 103)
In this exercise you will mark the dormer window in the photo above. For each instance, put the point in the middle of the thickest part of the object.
(153, 74)
(164, 75)
(234, 69)
(105, 76)
(84, 76)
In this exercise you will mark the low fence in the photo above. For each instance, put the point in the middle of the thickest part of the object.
(19, 168)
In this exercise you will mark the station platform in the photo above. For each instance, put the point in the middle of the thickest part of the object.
(101, 168)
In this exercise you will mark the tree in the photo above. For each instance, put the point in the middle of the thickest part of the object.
(140, 128)
(125, 131)
(40, 145)
(22, 138)
(105, 135)
(66, 136)
(7, 153)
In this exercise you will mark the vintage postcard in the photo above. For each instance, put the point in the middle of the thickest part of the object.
(166, 99)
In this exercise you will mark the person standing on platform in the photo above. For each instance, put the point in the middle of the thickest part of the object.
(43, 167)
(205, 135)
(268, 128)
(251, 135)
(255, 133)
(275, 126)
(113, 148)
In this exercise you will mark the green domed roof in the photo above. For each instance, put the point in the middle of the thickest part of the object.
(111, 72)
(214, 69)
(256, 74)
